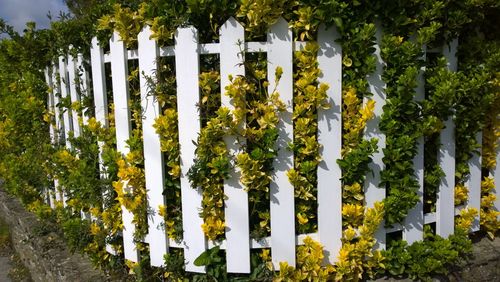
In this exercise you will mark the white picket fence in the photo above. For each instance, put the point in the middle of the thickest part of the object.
(279, 48)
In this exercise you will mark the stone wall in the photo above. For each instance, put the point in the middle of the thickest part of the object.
(46, 256)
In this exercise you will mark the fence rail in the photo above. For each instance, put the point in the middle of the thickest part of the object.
(231, 49)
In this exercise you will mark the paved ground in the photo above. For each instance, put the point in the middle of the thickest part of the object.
(4, 268)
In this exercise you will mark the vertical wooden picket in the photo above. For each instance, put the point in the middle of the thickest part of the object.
(280, 54)
(413, 229)
(50, 103)
(374, 193)
(64, 94)
(330, 137)
(188, 96)
(52, 132)
(445, 205)
(496, 175)
(59, 133)
(100, 105)
(68, 126)
(74, 96)
(84, 83)
(474, 182)
(232, 37)
(119, 68)
(153, 156)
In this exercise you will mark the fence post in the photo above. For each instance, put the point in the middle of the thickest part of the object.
(154, 166)
(119, 69)
(330, 137)
(374, 193)
(280, 54)
(445, 205)
(188, 96)
(232, 38)
(413, 229)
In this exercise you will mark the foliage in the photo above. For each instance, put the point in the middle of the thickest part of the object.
(309, 97)
(29, 163)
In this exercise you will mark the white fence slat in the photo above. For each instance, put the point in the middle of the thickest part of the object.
(64, 94)
(188, 96)
(63, 87)
(374, 193)
(84, 83)
(57, 112)
(59, 133)
(232, 36)
(153, 156)
(74, 96)
(50, 103)
(119, 69)
(474, 182)
(100, 105)
(52, 132)
(330, 137)
(99, 83)
(280, 54)
(445, 206)
(414, 223)
(496, 175)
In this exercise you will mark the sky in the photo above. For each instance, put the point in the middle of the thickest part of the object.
(17, 12)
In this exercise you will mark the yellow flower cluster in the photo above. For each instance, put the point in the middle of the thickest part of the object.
(309, 264)
(309, 97)
(356, 257)
(354, 118)
(461, 194)
(465, 219)
(488, 215)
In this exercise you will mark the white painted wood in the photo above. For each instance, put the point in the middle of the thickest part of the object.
(68, 126)
(132, 54)
(209, 48)
(474, 182)
(57, 113)
(299, 45)
(414, 223)
(64, 94)
(496, 175)
(153, 157)
(255, 47)
(188, 96)
(99, 83)
(50, 103)
(52, 132)
(75, 97)
(101, 105)
(330, 138)
(84, 84)
(374, 193)
(232, 36)
(445, 204)
(119, 68)
(280, 54)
